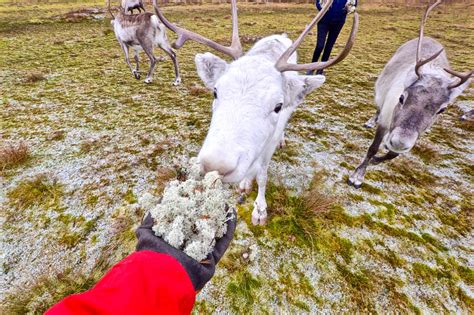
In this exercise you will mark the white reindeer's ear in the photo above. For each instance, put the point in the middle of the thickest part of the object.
(298, 86)
(458, 90)
(311, 82)
(210, 68)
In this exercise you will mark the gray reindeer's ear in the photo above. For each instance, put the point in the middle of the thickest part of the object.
(455, 92)
(210, 68)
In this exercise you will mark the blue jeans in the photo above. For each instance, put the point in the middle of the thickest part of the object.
(329, 30)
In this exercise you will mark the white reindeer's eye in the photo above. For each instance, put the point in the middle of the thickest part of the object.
(215, 93)
(278, 107)
(440, 111)
(401, 99)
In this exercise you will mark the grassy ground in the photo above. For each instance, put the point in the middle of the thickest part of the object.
(98, 139)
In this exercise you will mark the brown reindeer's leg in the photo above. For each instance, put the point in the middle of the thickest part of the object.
(358, 176)
(137, 74)
(379, 159)
(148, 48)
(127, 59)
(167, 49)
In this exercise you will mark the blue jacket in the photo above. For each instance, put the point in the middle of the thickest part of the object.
(336, 12)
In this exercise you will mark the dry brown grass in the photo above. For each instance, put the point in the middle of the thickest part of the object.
(426, 152)
(197, 90)
(316, 199)
(13, 154)
(34, 76)
(164, 175)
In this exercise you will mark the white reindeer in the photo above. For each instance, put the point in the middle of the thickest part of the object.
(410, 93)
(254, 96)
(142, 31)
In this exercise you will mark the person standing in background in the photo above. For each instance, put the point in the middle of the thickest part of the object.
(329, 28)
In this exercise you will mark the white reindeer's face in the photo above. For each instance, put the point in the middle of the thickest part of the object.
(252, 103)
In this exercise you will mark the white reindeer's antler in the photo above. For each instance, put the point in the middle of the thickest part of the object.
(282, 63)
(234, 50)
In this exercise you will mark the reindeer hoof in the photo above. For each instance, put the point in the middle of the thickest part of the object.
(177, 81)
(148, 80)
(241, 199)
(259, 219)
(136, 74)
(352, 181)
(259, 213)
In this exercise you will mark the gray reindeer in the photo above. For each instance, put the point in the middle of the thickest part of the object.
(142, 31)
(409, 94)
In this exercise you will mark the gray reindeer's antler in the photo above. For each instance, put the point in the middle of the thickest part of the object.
(463, 76)
(419, 62)
(234, 50)
(282, 63)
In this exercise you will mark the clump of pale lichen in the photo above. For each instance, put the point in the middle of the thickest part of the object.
(192, 214)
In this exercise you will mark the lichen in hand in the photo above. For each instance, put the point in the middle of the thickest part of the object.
(192, 214)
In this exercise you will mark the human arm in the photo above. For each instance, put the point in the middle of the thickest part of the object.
(156, 279)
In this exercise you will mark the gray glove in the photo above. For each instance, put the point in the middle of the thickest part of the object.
(199, 272)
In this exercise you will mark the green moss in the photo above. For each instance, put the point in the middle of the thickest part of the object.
(91, 200)
(371, 189)
(387, 210)
(360, 283)
(345, 165)
(345, 249)
(40, 191)
(426, 274)
(292, 286)
(430, 239)
(356, 197)
(130, 197)
(241, 291)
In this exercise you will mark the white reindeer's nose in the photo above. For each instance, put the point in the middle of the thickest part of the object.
(218, 161)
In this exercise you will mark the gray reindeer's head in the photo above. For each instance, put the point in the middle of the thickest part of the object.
(422, 101)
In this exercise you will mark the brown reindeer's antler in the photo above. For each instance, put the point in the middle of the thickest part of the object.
(419, 62)
(282, 63)
(234, 50)
(110, 10)
(463, 76)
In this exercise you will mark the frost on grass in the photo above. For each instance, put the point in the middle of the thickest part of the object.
(192, 214)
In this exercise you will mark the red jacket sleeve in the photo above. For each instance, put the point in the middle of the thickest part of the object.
(145, 282)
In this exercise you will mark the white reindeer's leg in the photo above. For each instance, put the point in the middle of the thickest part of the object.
(282, 143)
(167, 49)
(127, 59)
(357, 177)
(259, 213)
(373, 120)
(245, 186)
